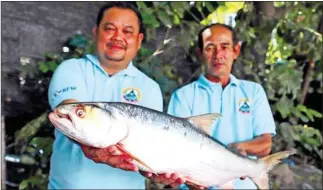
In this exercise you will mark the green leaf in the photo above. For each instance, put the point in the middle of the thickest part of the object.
(141, 5)
(176, 20)
(30, 129)
(180, 5)
(301, 108)
(209, 6)
(304, 118)
(156, 4)
(150, 19)
(28, 160)
(52, 65)
(315, 113)
(43, 67)
(78, 41)
(198, 5)
(161, 14)
(23, 184)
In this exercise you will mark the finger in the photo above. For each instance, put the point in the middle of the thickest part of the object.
(147, 174)
(243, 152)
(180, 180)
(173, 178)
(113, 150)
(167, 175)
(115, 160)
(160, 178)
(128, 167)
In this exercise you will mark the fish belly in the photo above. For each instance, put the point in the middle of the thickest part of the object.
(190, 155)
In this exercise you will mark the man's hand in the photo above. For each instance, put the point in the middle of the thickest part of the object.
(171, 179)
(111, 155)
(239, 147)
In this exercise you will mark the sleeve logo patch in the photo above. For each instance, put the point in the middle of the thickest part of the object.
(67, 89)
(132, 95)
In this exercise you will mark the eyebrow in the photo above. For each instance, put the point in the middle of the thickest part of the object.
(221, 43)
(130, 27)
(110, 23)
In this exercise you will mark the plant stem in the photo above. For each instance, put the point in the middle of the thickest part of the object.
(307, 80)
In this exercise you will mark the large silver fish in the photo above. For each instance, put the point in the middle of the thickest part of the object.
(162, 143)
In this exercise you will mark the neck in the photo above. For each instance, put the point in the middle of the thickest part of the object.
(113, 67)
(224, 80)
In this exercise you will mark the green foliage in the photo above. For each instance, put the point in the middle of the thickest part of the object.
(282, 72)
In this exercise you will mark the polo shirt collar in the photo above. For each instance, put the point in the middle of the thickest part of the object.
(129, 71)
(203, 81)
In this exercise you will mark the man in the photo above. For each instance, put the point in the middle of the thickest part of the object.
(247, 123)
(107, 76)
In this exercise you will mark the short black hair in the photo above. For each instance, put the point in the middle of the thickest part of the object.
(123, 5)
(200, 38)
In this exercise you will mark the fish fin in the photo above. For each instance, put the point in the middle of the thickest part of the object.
(270, 161)
(204, 121)
(228, 185)
(137, 159)
(193, 184)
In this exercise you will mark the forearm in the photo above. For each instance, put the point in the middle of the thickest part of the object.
(260, 146)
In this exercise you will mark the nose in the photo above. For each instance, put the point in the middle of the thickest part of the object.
(116, 35)
(217, 53)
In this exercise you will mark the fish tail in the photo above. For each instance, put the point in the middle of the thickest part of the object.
(270, 161)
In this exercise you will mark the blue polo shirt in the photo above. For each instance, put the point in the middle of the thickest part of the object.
(243, 104)
(85, 80)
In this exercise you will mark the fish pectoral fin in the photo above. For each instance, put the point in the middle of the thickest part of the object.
(137, 159)
(204, 121)
(193, 184)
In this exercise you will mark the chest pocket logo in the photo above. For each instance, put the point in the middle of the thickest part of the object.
(132, 95)
(244, 106)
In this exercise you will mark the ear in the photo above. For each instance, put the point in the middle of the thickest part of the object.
(199, 52)
(94, 31)
(141, 37)
(236, 50)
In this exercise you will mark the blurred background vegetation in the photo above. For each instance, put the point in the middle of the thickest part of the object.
(281, 50)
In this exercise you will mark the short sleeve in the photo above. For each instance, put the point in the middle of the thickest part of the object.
(67, 82)
(263, 120)
(156, 98)
(178, 105)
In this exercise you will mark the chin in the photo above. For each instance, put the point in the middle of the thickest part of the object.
(115, 58)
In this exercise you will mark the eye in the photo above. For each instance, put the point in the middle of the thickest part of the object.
(128, 32)
(109, 29)
(80, 112)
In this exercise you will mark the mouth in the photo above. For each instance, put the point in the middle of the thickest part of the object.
(217, 65)
(60, 120)
(116, 46)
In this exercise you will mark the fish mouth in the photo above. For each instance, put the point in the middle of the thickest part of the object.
(61, 120)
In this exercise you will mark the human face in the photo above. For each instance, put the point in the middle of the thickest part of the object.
(219, 52)
(117, 37)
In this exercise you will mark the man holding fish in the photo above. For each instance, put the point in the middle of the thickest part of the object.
(107, 76)
(111, 77)
(247, 123)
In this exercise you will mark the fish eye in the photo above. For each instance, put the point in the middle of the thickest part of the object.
(80, 112)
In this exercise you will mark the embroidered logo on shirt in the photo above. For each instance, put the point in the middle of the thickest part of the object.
(132, 95)
(70, 88)
(244, 105)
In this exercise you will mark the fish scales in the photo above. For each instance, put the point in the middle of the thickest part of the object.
(162, 143)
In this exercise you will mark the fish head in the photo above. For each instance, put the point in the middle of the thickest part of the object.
(87, 124)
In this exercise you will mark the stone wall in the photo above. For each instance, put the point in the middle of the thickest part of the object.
(30, 29)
